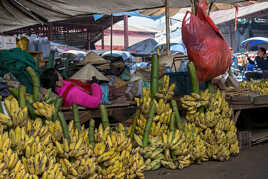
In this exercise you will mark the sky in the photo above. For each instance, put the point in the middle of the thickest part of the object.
(159, 25)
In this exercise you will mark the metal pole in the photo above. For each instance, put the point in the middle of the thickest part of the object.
(102, 40)
(231, 36)
(125, 31)
(88, 39)
(167, 28)
(49, 31)
(111, 43)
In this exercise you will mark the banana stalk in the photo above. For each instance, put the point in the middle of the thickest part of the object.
(148, 126)
(35, 82)
(210, 86)
(22, 94)
(57, 107)
(155, 75)
(177, 114)
(193, 76)
(64, 127)
(171, 125)
(133, 126)
(91, 132)
(77, 122)
(104, 116)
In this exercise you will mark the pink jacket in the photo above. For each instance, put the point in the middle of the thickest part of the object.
(80, 97)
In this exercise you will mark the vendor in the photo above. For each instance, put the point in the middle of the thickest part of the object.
(261, 62)
(88, 95)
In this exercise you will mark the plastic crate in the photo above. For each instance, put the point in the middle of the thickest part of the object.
(183, 83)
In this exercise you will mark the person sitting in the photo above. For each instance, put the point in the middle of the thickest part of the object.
(88, 94)
(261, 62)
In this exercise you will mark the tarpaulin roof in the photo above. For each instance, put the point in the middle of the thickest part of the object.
(20, 13)
(142, 48)
(253, 42)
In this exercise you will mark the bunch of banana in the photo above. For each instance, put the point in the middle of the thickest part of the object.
(82, 168)
(257, 86)
(55, 130)
(36, 164)
(76, 136)
(166, 91)
(17, 116)
(116, 154)
(53, 171)
(194, 101)
(44, 109)
(153, 153)
(36, 128)
(19, 139)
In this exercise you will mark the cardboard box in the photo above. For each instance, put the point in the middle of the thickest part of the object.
(9, 42)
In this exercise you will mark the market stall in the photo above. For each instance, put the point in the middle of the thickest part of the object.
(41, 139)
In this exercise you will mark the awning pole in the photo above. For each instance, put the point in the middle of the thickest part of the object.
(125, 31)
(111, 45)
(167, 28)
(102, 40)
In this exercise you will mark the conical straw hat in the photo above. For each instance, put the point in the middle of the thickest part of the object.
(93, 59)
(87, 72)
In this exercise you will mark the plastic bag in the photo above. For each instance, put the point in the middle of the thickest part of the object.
(105, 94)
(44, 47)
(205, 45)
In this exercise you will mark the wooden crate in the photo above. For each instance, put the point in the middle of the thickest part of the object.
(244, 139)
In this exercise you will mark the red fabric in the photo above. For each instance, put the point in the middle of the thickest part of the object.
(205, 45)
(236, 14)
(65, 93)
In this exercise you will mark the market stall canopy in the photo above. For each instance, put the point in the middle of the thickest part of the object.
(254, 42)
(21, 13)
(222, 16)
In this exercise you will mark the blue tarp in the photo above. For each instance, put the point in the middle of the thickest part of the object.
(144, 47)
(132, 13)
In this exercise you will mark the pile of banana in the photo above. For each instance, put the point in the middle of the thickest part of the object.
(44, 109)
(16, 116)
(115, 154)
(76, 159)
(163, 110)
(211, 114)
(173, 150)
(29, 158)
(259, 86)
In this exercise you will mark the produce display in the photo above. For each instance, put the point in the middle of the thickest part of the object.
(207, 134)
(257, 86)
(37, 142)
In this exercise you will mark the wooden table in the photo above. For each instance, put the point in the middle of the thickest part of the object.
(238, 103)
(119, 112)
